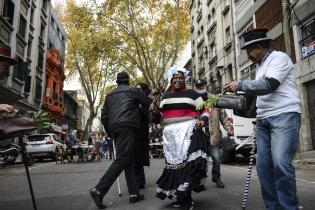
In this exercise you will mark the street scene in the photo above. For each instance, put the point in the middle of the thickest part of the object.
(65, 187)
(144, 104)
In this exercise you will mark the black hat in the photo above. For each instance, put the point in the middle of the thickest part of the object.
(122, 77)
(256, 35)
(200, 83)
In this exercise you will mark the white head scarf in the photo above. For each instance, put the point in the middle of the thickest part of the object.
(174, 70)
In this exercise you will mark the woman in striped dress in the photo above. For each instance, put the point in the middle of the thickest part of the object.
(185, 145)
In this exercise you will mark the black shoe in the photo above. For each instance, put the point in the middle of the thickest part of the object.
(160, 195)
(188, 206)
(176, 204)
(219, 183)
(136, 198)
(97, 198)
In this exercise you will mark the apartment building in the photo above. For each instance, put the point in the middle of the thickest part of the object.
(213, 57)
(23, 26)
(53, 100)
(303, 25)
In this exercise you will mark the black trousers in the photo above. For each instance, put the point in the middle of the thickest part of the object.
(140, 176)
(124, 144)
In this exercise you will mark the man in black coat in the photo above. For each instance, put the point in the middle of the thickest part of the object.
(121, 119)
(142, 141)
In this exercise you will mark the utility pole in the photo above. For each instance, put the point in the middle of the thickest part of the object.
(286, 26)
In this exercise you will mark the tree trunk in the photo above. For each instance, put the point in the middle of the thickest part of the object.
(88, 126)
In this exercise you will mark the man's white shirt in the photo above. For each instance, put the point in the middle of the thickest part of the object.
(285, 98)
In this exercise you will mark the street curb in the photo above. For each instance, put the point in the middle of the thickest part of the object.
(305, 161)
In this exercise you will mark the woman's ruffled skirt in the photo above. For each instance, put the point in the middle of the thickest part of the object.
(186, 150)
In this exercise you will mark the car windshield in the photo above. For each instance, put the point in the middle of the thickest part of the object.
(38, 138)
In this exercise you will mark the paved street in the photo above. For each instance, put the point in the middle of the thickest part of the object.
(65, 187)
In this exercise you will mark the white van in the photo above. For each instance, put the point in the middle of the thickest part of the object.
(243, 128)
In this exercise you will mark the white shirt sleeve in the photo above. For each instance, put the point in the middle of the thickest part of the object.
(279, 67)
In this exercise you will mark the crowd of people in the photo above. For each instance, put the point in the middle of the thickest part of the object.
(188, 148)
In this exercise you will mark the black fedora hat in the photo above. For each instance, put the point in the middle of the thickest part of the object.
(256, 35)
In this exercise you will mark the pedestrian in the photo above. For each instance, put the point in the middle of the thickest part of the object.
(121, 120)
(142, 141)
(278, 119)
(184, 165)
(215, 135)
(5, 63)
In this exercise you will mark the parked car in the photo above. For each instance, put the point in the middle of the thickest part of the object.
(243, 129)
(43, 145)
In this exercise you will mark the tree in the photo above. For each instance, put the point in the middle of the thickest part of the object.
(88, 54)
(149, 34)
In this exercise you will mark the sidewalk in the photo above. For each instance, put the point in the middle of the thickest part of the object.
(306, 158)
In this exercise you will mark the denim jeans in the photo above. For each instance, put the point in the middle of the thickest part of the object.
(215, 154)
(277, 140)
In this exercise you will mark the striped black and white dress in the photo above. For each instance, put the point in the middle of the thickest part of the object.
(185, 146)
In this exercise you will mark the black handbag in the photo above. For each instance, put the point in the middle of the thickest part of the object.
(235, 102)
(15, 126)
(249, 110)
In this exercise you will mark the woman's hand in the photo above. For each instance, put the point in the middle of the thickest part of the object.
(6, 108)
(153, 108)
(200, 123)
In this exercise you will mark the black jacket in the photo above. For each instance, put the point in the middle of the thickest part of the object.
(121, 108)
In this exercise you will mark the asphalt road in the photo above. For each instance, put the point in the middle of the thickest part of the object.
(65, 187)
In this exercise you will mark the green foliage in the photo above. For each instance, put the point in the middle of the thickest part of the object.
(42, 121)
(210, 103)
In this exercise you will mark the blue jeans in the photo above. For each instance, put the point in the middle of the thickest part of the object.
(277, 140)
(215, 154)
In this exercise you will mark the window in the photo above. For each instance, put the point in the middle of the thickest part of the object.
(40, 63)
(228, 34)
(27, 86)
(29, 48)
(8, 11)
(32, 15)
(45, 3)
(22, 26)
(38, 90)
(212, 50)
(213, 12)
(20, 69)
(308, 38)
(52, 22)
(42, 31)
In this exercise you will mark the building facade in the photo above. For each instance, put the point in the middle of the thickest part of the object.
(23, 26)
(213, 57)
(303, 24)
(53, 98)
